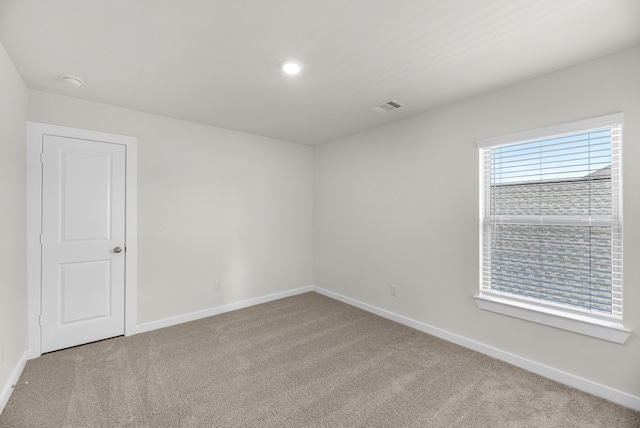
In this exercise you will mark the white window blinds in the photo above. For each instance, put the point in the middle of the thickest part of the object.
(551, 224)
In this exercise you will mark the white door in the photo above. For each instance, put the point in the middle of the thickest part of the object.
(83, 241)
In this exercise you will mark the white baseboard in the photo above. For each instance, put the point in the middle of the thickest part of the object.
(593, 388)
(13, 379)
(590, 387)
(168, 322)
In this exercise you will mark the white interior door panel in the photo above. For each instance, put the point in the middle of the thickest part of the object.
(83, 241)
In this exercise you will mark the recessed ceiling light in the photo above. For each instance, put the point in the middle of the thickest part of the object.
(291, 67)
(72, 80)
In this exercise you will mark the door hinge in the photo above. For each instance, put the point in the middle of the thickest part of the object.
(41, 239)
(42, 157)
(40, 320)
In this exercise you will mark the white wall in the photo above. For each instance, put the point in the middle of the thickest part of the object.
(213, 205)
(13, 217)
(399, 205)
(396, 205)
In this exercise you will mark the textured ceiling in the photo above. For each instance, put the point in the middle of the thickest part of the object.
(215, 62)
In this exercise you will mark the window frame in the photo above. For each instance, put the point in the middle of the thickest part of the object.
(601, 326)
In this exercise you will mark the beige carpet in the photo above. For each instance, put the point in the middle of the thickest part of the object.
(303, 361)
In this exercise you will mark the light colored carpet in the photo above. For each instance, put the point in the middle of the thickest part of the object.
(303, 361)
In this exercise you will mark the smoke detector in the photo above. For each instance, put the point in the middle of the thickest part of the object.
(72, 80)
(386, 106)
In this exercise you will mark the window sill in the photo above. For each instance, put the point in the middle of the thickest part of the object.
(607, 330)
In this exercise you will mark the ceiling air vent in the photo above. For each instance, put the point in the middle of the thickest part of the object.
(387, 106)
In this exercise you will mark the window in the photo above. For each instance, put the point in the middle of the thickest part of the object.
(551, 226)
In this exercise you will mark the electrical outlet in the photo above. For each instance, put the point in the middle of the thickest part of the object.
(394, 290)
(218, 285)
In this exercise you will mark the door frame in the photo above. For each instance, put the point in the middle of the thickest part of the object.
(35, 135)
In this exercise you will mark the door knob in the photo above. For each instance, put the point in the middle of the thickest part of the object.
(117, 250)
